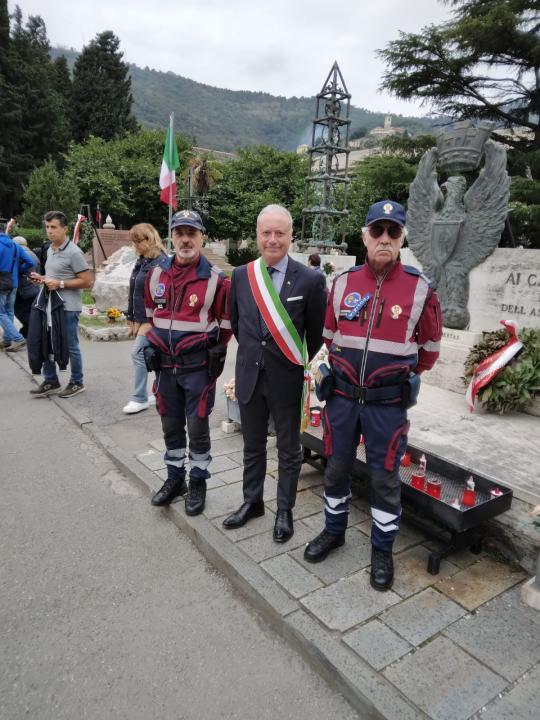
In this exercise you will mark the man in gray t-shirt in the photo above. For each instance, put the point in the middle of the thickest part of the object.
(66, 271)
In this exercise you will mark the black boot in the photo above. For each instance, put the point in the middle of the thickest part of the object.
(171, 489)
(382, 569)
(195, 497)
(318, 549)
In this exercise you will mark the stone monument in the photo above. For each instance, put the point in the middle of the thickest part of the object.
(453, 229)
(111, 288)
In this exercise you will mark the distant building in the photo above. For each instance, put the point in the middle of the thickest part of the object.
(387, 130)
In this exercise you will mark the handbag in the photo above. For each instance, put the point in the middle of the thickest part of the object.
(6, 278)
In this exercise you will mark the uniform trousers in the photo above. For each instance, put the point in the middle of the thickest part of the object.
(185, 399)
(385, 429)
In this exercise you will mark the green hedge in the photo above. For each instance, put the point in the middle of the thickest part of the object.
(242, 257)
(35, 237)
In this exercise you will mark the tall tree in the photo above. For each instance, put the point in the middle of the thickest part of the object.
(32, 122)
(102, 96)
(10, 119)
(483, 63)
(62, 86)
(260, 176)
(47, 189)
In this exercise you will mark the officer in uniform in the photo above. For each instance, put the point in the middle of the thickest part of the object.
(188, 311)
(383, 328)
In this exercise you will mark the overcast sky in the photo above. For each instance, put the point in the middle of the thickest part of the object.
(284, 47)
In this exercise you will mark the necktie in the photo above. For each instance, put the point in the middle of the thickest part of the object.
(264, 326)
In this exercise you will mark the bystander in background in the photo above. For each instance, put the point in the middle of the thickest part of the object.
(151, 253)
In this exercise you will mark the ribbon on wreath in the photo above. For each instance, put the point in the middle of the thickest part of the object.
(491, 366)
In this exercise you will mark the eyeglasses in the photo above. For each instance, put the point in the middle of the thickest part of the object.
(377, 230)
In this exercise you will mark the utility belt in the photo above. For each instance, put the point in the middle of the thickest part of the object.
(213, 358)
(406, 392)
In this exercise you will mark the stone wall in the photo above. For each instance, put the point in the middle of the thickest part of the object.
(506, 286)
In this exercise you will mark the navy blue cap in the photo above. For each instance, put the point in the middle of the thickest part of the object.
(189, 218)
(386, 210)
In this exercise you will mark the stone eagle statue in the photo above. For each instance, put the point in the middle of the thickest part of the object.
(452, 229)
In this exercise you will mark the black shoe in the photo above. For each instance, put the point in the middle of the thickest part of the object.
(170, 490)
(46, 389)
(283, 527)
(382, 569)
(72, 389)
(318, 549)
(195, 497)
(244, 513)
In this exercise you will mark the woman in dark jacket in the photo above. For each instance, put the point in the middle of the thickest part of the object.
(150, 251)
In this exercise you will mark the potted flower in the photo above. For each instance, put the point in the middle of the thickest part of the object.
(113, 314)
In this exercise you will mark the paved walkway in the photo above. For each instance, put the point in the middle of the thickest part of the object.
(454, 646)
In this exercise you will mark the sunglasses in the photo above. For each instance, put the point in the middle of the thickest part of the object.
(377, 230)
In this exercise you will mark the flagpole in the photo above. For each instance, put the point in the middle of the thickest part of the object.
(171, 140)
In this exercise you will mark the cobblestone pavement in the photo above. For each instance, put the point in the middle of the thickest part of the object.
(453, 646)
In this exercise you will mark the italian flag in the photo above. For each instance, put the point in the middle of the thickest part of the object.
(167, 176)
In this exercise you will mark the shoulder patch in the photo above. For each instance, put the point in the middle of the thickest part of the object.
(354, 268)
(218, 271)
(415, 271)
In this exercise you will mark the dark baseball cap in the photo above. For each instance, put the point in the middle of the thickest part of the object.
(386, 210)
(189, 218)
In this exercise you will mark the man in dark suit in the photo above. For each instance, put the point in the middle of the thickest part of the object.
(269, 375)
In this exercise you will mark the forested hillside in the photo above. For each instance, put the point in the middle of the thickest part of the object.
(226, 119)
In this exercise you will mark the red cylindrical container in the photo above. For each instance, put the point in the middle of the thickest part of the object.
(418, 481)
(434, 487)
(469, 497)
(315, 418)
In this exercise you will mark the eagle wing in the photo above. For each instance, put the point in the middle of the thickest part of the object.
(425, 197)
(486, 205)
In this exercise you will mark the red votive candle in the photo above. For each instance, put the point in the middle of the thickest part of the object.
(418, 481)
(434, 487)
(469, 497)
(406, 460)
(315, 418)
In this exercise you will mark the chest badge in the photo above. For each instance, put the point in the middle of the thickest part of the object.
(160, 290)
(396, 311)
(351, 299)
(193, 300)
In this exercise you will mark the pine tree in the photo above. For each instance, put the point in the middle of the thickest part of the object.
(102, 96)
(10, 120)
(33, 121)
(483, 63)
(62, 96)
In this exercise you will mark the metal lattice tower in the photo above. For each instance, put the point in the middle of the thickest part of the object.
(326, 186)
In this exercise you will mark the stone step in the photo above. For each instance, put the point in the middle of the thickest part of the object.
(217, 260)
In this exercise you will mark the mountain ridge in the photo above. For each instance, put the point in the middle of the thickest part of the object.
(225, 119)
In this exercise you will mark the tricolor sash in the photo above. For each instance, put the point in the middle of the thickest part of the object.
(280, 325)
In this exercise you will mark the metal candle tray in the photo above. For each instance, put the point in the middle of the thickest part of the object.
(453, 479)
